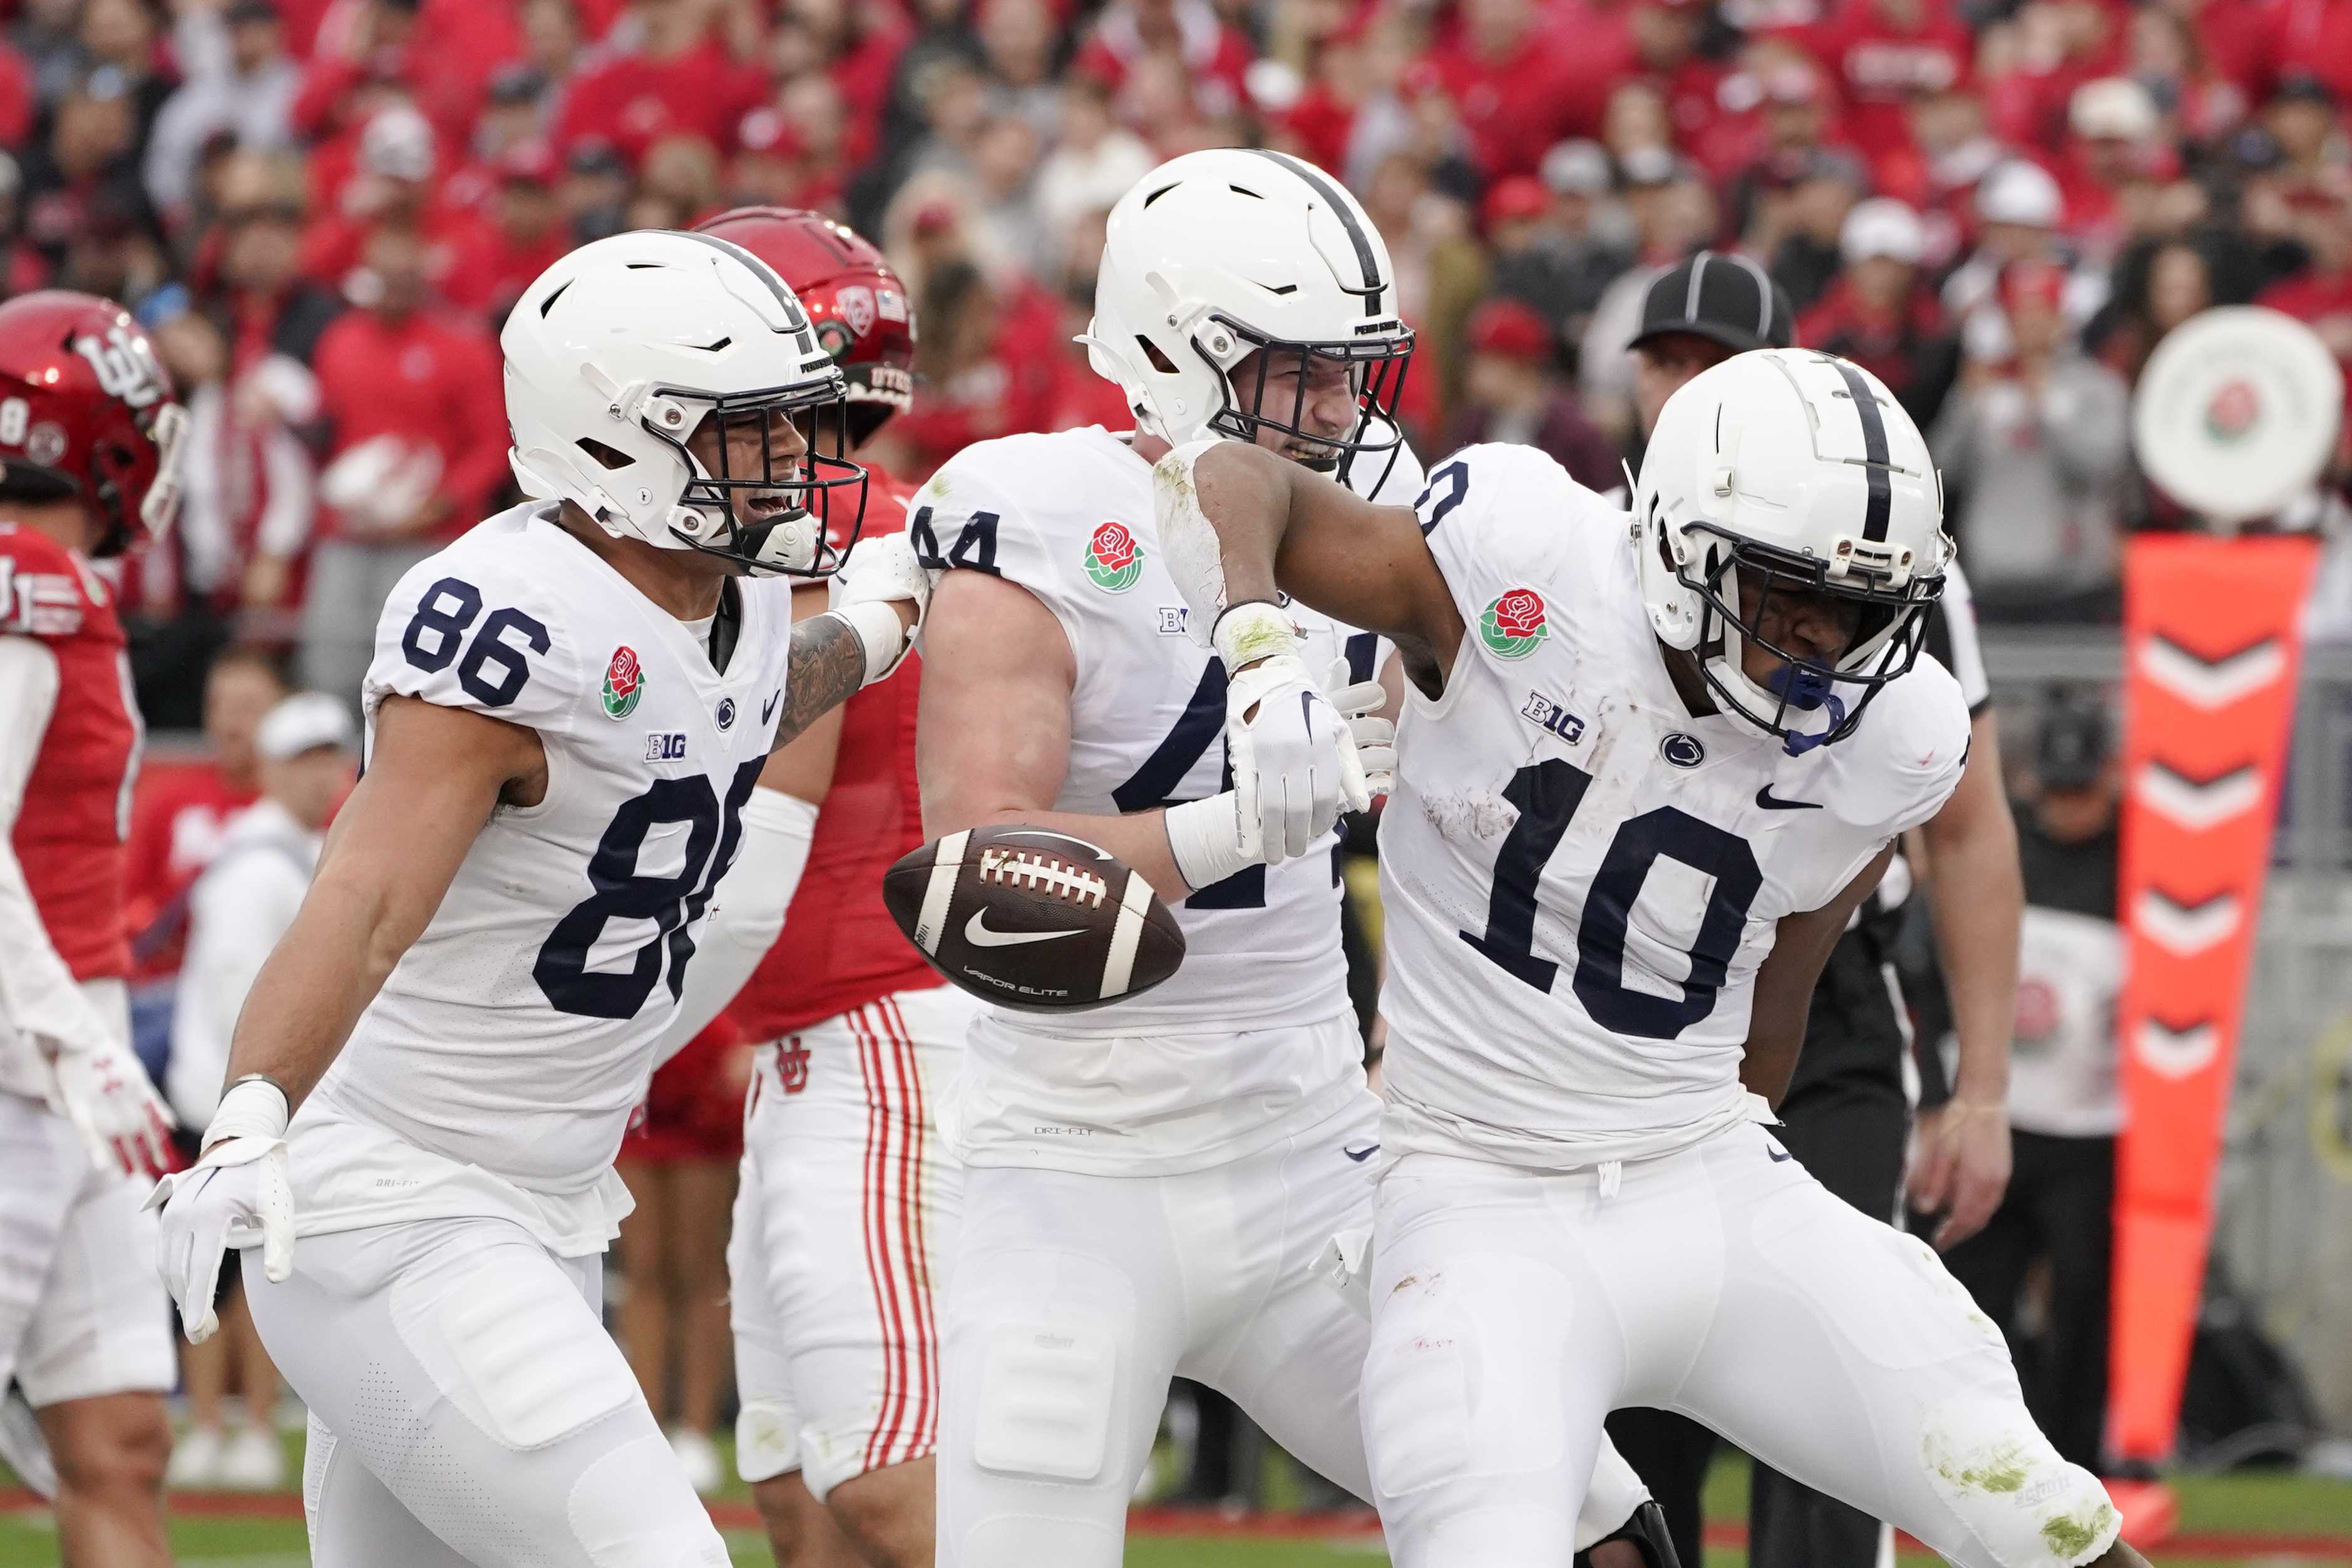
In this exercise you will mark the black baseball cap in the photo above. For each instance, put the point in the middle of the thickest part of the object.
(1725, 299)
(2073, 746)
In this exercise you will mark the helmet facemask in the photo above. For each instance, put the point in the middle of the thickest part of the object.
(1885, 601)
(800, 502)
(1375, 370)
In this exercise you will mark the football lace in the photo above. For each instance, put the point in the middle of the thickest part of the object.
(1043, 873)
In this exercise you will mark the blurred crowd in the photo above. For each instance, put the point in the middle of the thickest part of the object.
(321, 208)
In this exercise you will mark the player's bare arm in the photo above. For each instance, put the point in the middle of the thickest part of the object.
(827, 666)
(1785, 980)
(1281, 527)
(1977, 896)
(802, 766)
(435, 774)
(992, 733)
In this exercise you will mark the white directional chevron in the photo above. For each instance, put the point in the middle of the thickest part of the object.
(2186, 929)
(2176, 1053)
(2199, 806)
(2211, 684)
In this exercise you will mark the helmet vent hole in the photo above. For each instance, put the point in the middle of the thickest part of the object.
(1244, 191)
(1279, 289)
(644, 267)
(712, 348)
(611, 457)
(548, 304)
(1160, 192)
(1160, 361)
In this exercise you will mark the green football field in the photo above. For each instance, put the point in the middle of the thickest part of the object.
(2242, 1520)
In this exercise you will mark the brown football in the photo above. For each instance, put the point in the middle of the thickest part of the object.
(1029, 918)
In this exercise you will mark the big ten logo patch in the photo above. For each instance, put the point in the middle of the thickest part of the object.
(1542, 711)
(665, 746)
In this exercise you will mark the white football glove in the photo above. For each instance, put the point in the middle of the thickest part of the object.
(238, 1194)
(882, 572)
(1360, 703)
(104, 1093)
(1294, 759)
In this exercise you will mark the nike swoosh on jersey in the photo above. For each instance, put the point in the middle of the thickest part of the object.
(768, 708)
(1771, 802)
(1780, 1156)
(1361, 1155)
(976, 932)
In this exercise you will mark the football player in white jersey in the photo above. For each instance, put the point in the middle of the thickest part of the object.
(566, 711)
(1650, 765)
(1148, 1185)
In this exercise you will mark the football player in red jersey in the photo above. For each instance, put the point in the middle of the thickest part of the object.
(88, 453)
(846, 1198)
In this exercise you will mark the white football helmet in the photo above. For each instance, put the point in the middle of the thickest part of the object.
(619, 352)
(1790, 470)
(1215, 254)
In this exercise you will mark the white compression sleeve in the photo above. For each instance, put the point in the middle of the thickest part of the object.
(747, 912)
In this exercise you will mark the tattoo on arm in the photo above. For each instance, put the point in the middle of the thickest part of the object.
(827, 665)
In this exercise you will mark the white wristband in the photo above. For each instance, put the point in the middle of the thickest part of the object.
(1206, 837)
(1252, 631)
(254, 1108)
(879, 630)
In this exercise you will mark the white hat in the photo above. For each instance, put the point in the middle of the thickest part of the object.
(398, 144)
(1577, 167)
(1881, 226)
(2115, 106)
(303, 722)
(2020, 192)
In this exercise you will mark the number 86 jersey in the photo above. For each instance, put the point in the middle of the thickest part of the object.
(495, 1070)
(1580, 876)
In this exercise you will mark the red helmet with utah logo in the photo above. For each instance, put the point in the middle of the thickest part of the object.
(854, 299)
(86, 412)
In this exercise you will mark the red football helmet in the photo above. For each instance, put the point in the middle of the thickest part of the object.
(860, 306)
(87, 411)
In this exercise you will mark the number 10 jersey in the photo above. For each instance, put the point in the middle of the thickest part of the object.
(495, 1072)
(1580, 876)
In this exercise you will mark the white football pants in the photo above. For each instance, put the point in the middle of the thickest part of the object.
(469, 1408)
(1512, 1310)
(843, 1220)
(1073, 1299)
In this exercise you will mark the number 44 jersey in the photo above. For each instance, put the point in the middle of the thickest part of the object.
(1579, 875)
(495, 1070)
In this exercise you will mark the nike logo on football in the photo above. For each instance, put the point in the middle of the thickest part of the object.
(976, 932)
(768, 708)
(1771, 802)
(1361, 1155)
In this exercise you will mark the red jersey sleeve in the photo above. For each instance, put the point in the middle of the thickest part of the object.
(42, 594)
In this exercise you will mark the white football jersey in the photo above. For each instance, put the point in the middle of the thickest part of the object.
(1580, 877)
(1069, 518)
(497, 1069)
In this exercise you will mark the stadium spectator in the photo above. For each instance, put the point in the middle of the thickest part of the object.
(237, 910)
(2064, 1102)
(85, 176)
(2017, 209)
(1516, 89)
(1545, 239)
(177, 817)
(1209, 53)
(1889, 56)
(1673, 214)
(2033, 449)
(239, 84)
(524, 235)
(1881, 314)
(419, 447)
(1517, 394)
(2319, 295)
(665, 72)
